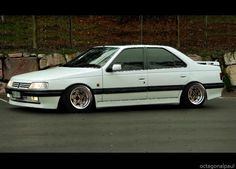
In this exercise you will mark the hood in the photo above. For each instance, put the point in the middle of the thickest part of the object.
(56, 73)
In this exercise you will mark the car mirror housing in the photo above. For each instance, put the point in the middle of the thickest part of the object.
(113, 68)
(116, 67)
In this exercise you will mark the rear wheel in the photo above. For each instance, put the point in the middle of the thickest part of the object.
(194, 95)
(77, 98)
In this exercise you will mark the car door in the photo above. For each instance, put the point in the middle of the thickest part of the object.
(128, 83)
(167, 74)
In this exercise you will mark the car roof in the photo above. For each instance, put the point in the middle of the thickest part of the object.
(169, 48)
(134, 46)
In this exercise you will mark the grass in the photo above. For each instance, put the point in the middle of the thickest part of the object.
(221, 19)
(53, 32)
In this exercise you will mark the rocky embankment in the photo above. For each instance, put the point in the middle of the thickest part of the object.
(230, 66)
(17, 63)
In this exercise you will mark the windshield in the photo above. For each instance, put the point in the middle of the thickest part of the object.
(94, 57)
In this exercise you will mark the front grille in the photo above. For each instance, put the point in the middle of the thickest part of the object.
(15, 84)
(21, 85)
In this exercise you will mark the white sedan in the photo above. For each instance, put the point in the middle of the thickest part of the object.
(107, 76)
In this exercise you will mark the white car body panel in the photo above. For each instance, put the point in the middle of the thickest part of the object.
(178, 76)
(102, 83)
(128, 79)
(58, 76)
(45, 103)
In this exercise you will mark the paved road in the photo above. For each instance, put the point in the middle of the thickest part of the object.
(166, 128)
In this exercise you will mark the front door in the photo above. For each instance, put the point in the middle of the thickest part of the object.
(128, 83)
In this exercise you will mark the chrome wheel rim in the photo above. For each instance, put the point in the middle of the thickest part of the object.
(80, 97)
(196, 94)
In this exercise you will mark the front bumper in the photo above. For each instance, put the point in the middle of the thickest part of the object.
(47, 99)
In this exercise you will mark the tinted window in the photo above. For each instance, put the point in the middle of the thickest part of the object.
(130, 59)
(159, 58)
(94, 57)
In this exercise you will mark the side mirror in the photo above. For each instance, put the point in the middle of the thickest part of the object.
(116, 67)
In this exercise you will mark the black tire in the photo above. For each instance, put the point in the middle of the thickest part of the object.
(194, 95)
(77, 99)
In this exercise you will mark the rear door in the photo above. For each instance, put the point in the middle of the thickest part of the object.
(167, 74)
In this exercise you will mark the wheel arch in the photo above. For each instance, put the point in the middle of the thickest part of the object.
(186, 85)
(60, 100)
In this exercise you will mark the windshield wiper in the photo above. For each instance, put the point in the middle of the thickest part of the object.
(89, 65)
(51, 66)
(83, 65)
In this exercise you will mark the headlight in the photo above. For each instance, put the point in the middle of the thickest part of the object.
(39, 85)
(9, 84)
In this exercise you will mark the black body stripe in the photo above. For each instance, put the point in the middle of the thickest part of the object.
(46, 93)
(120, 90)
(213, 85)
(165, 88)
(152, 88)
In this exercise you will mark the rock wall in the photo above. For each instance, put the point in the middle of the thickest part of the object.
(231, 71)
(1, 72)
(195, 57)
(51, 60)
(18, 63)
(2, 87)
(15, 66)
(230, 58)
(230, 66)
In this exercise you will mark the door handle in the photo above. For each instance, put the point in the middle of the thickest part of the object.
(182, 76)
(141, 79)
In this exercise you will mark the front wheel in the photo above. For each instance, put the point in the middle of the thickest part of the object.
(194, 95)
(77, 98)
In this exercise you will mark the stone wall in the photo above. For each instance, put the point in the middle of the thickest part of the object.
(18, 63)
(195, 57)
(230, 66)
(1, 72)
(230, 58)
(2, 87)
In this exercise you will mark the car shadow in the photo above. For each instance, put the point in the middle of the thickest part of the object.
(123, 109)
(36, 110)
(151, 108)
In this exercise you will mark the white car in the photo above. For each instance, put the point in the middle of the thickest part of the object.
(107, 76)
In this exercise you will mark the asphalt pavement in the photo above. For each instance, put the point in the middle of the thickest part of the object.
(159, 128)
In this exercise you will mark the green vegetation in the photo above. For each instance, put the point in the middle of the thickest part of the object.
(222, 19)
(67, 34)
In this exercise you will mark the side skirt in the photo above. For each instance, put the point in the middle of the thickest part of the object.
(137, 102)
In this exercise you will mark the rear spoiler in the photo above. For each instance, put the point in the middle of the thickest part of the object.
(214, 63)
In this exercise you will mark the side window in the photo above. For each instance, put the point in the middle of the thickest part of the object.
(130, 59)
(159, 58)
